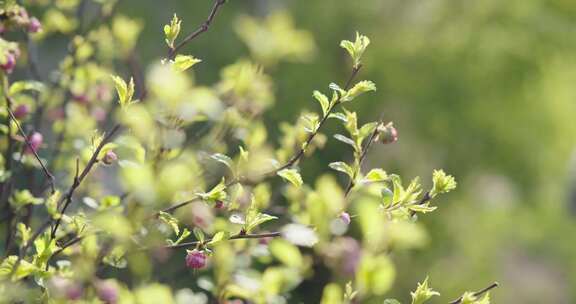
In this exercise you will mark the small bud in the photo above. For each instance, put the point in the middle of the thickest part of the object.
(388, 134)
(65, 288)
(34, 26)
(109, 158)
(196, 259)
(80, 98)
(107, 291)
(219, 205)
(9, 63)
(21, 111)
(345, 217)
(35, 141)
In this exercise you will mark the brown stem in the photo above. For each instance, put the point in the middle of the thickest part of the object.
(201, 29)
(78, 178)
(234, 237)
(26, 140)
(478, 293)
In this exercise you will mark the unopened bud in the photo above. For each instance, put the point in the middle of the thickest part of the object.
(109, 158)
(387, 134)
(34, 26)
(196, 259)
(21, 111)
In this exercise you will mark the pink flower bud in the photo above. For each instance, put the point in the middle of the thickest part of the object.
(21, 111)
(196, 259)
(35, 141)
(388, 134)
(80, 98)
(34, 26)
(109, 158)
(65, 288)
(345, 217)
(9, 63)
(107, 291)
(219, 205)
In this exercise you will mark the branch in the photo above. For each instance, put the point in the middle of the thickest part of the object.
(373, 136)
(478, 293)
(201, 29)
(23, 134)
(295, 158)
(78, 178)
(234, 237)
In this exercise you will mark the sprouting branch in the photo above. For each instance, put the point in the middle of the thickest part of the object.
(478, 293)
(78, 178)
(201, 29)
(365, 150)
(9, 101)
(293, 160)
(234, 237)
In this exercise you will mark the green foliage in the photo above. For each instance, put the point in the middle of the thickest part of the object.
(172, 30)
(423, 293)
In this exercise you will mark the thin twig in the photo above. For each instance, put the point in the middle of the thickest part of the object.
(78, 178)
(201, 29)
(234, 237)
(478, 293)
(27, 141)
(293, 160)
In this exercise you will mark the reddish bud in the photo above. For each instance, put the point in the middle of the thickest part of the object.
(196, 259)
(21, 111)
(388, 134)
(35, 141)
(80, 98)
(109, 158)
(345, 217)
(219, 205)
(34, 26)
(9, 63)
(107, 292)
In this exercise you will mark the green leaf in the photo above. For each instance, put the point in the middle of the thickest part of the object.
(286, 253)
(24, 268)
(443, 183)
(52, 204)
(358, 89)
(20, 86)
(342, 167)
(422, 208)
(24, 233)
(184, 62)
(367, 129)
(323, 100)
(339, 116)
(170, 221)
(218, 193)
(22, 198)
(356, 49)
(423, 293)
(292, 176)
(125, 91)
(182, 237)
(199, 235)
(172, 30)
(376, 175)
(345, 140)
(255, 218)
(219, 237)
(223, 159)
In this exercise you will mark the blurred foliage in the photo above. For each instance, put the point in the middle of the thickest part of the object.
(483, 89)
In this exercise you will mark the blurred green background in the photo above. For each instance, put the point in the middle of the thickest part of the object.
(484, 89)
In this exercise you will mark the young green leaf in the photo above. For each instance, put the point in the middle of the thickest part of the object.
(423, 293)
(342, 167)
(376, 175)
(223, 159)
(292, 176)
(323, 100)
(345, 140)
(443, 183)
(125, 91)
(184, 62)
(219, 237)
(199, 235)
(20, 86)
(170, 221)
(358, 89)
(356, 49)
(172, 30)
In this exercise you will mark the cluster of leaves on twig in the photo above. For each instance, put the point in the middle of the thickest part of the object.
(184, 169)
